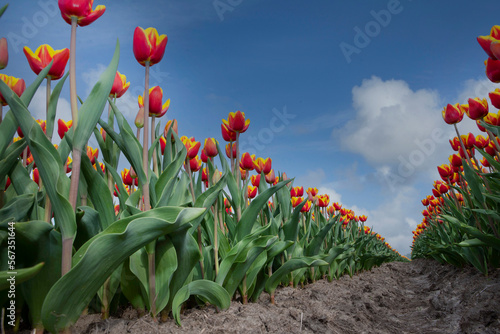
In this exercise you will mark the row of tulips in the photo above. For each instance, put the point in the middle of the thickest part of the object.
(461, 222)
(182, 223)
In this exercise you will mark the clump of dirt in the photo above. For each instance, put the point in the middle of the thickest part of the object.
(422, 296)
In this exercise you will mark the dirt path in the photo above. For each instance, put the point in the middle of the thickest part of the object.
(418, 297)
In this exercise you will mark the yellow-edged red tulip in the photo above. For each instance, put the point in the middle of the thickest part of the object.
(495, 98)
(210, 147)
(337, 206)
(255, 179)
(192, 146)
(93, 154)
(270, 177)
(453, 114)
(487, 41)
(228, 150)
(236, 122)
(312, 192)
(469, 140)
(323, 200)
(481, 141)
(16, 84)
(491, 118)
(82, 10)
(455, 160)
(455, 143)
(102, 132)
(478, 108)
(262, 165)
(227, 134)
(4, 53)
(36, 176)
(149, 46)
(296, 201)
(120, 85)
(445, 171)
(155, 102)
(426, 201)
(306, 207)
(43, 125)
(251, 191)
(195, 164)
(63, 127)
(493, 70)
(42, 57)
(163, 144)
(297, 192)
(171, 124)
(127, 178)
(485, 162)
(246, 162)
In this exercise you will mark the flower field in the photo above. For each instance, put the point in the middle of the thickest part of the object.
(461, 221)
(183, 223)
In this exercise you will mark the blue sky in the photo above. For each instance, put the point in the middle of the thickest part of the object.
(345, 96)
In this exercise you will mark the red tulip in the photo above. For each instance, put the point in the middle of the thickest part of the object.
(93, 154)
(477, 108)
(228, 150)
(270, 177)
(192, 146)
(312, 192)
(481, 142)
(16, 84)
(363, 218)
(155, 102)
(453, 113)
(487, 42)
(306, 207)
(337, 206)
(210, 147)
(195, 164)
(82, 9)
(323, 200)
(255, 179)
(43, 56)
(493, 70)
(297, 192)
(262, 165)
(236, 122)
(251, 191)
(227, 134)
(485, 162)
(445, 171)
(63, 127)
(36, 176)
(127, 178)
(469, 140)
(296, 201)
(120, 85)
(148, 46)
(246, 162)
(4, 53)
(495, 98)
(455, 143)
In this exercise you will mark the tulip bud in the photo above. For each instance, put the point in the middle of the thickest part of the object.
(4, 53)
(139, 119)
(493, 70)
(495, 98)
(477, 108)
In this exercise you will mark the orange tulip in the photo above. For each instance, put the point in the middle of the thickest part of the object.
(63, 127)
(148, 46)
(155, 102)
(477, 108)
(210, 147)
(262, 165)
(487, 42)
(16, 84)
(82, 10)
(43, 56)
(93, 154)
(4, 53)
(120, 85)
(171, 124)
(236, 122)
(495, 98)
(453, 113)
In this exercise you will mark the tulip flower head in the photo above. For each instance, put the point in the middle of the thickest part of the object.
(236, 122)
(262, 165)
(255, 179)
(16, 84)
(481, 142)
(270, 177)
(495, 98)
(127, 178)
(251, 191)
(192, 146)
(227, 134)
(445, 171)
(63, 127)
(493, 70)
(477, 108)
(231, 150)
(306, 207)
(42, 57)
(210, 147)
(195, 164)
(296, 201)
(453, 114)
(82, 10)
(171, 124)
(155, 102)
(4, 53)
(246, 162)
(297, 192)
(120, 85)
(93, 154)
(149, 46)
(489, 42)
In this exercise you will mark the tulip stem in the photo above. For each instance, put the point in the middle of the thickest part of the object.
(463, 147)
(153, 137)
(216, 240)
(1, 113)
(48, 204)
(145, 160)
(72, 73)
(200, 247)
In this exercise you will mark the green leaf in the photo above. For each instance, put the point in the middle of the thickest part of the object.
(208, 290)
(11, 157)
(18, 208)
(21, 275)
(2, 10)
(96, 260)
(91, 110)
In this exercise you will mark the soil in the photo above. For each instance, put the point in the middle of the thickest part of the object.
(422, 296)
